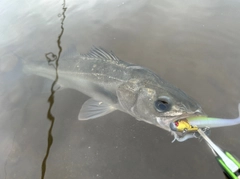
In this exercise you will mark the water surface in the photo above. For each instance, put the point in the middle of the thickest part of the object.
(194, 45)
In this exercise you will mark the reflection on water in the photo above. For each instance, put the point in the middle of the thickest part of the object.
(53, 60)
(194, 45)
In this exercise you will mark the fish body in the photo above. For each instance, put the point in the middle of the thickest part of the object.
(114, 84)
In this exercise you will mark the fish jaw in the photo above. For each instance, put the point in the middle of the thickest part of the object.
(169, 125)
(166, 122)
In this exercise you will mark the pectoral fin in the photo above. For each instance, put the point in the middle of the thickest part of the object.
(92, 109)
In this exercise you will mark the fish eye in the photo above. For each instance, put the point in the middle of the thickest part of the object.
(162, 104)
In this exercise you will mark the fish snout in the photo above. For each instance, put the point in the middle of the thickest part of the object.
(199, 112)
(195, 111)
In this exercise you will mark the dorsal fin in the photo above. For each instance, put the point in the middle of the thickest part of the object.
(96, 52)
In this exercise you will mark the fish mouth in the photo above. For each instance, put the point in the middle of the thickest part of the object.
(171, 121)
(167, 123)
(173, 125)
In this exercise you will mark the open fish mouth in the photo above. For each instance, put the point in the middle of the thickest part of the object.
(182, 124)
(170, 122)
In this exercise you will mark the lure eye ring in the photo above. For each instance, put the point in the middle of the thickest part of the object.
(162, 104)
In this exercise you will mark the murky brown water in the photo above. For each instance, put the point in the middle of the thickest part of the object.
(194, 45)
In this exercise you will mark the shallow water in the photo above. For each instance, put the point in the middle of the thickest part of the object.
(194, 45)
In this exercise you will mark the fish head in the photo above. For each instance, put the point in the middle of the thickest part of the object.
(162, 104)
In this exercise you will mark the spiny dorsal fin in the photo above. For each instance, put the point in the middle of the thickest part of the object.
(96, 52)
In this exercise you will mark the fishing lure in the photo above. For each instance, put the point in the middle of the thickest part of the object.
(192, 124)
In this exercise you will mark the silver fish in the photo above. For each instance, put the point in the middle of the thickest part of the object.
(114, 84)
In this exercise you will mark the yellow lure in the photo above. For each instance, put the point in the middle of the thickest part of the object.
(183, 125)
